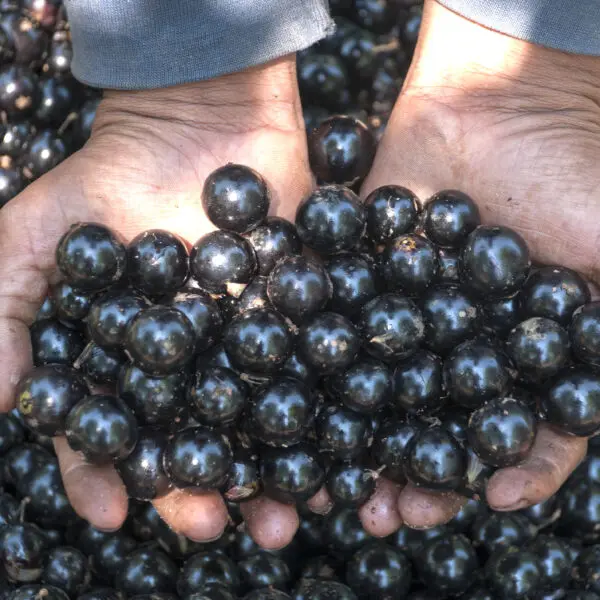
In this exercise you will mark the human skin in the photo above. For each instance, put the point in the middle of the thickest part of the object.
(517, 122)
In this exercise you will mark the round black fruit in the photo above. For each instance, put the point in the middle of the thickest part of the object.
(298, 287)
(157, 262)
(45, 396)
(90, 257)
(291, 474)
(67, 569)
(572, 402)
(102, 428)
(331, 219)
(235, 198)
(273, 240)
(198, 457)
(391, 211)
(342, 432)
(502, 431)
(585, 333)
(391, 327)
(160, 340)
(147, 570)
(341, 150)
(494, 262)
(435, 460)
(449, 218)
(258, 341)
(71, 304)
(328, 342)
(142, 471)
(222, 261)
(22, 551)
(350, 484)
(389, 447)
(243, 478)
(513, 573)
(53, 343)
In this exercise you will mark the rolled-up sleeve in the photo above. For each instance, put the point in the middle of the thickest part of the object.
(569, 25)
(137, 44)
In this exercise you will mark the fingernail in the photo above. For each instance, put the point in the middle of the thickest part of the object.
(516, 506)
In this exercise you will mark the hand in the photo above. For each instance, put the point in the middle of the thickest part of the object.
(144, 167)
(517, 127)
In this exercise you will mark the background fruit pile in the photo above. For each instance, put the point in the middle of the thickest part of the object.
(547, 551)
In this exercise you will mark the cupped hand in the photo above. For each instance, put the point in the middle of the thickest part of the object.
(517, 127)
(143, 168)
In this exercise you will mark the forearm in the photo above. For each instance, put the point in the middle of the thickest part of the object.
(143, 44)
(571, 27)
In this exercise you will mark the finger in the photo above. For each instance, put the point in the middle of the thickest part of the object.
(97, 494)
(423, 509)
(320, 503)
(380, 516)
(553, 458)
(271, 524)
(200, 516)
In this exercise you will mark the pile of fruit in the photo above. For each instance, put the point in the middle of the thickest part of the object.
(378, 339)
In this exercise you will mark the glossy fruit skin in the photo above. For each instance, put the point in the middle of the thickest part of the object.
(391, 327)
(349, 484)
(554, 561)
(142, 471)
(71, 304)
(56, 98)
(66, 568)
(100, 366)
(450, 317)
(19, 91)
(323, 78)
(258, 341)
(297, 368)
(448, 564)
(342, 432)
(22, 551)
(539, 348)
(281, 412)
(46, 151)
(263, 570)
(291, 474)
(157, 262)
(243, 478)
(34, 591)
(206, 568)
(298, 287)
(572, 403)
(365, 386)
(110, 314)
(11, 183)
(220, 259)
(389, 446)
(90, 257)
(147, 571)
(344, 532)
(235, 198)
(435, 460)
(331, 219)
(23, 459)
(341, 150)
(419, 382)
(328, 342)
(198, 457)
(476, 371)
(109, 556)
(498, 530)
(102, 428)
(12, 433)
(379, 571)
(585, 333)
(354, 282)
(53, 343)
(16, 137)
(513, 573)
(45, 396)
(554, 293)
(216, 396)
(146, 335)
(274, 239)
(586, 570)
(375, 15)
(391, 211)
(495, 261)
(502, 431)
(449, 217)
(266, 594)
(580, 511)
(502, 316)
(155, 401)
(409, 263)
(47, 310)
(254, 296)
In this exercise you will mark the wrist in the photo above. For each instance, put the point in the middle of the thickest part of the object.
(259, 97)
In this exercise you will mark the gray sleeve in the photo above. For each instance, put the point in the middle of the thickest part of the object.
(568, 25)
(137, 44)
